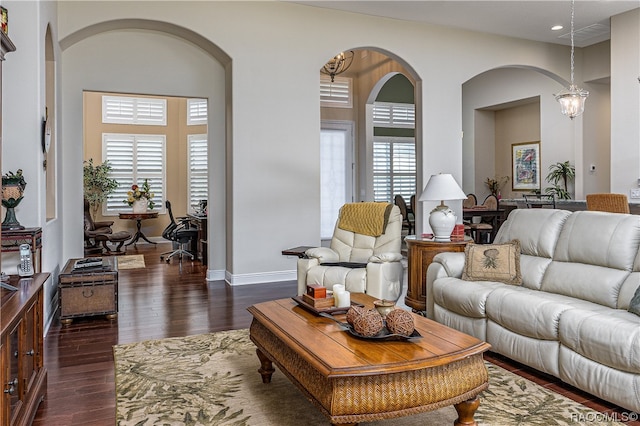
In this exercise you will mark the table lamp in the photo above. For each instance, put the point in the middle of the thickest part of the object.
(442, 219)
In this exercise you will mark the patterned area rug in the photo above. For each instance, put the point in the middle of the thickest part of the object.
(134, 261)
(213, 379)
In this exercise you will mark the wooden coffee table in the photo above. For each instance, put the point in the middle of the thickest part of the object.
(353, 380)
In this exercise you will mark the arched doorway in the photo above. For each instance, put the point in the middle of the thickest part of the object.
(363, 81)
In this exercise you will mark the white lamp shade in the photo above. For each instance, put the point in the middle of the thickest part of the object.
(442, 187)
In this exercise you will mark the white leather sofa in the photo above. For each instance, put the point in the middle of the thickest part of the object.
(569, 317)
(381, 278)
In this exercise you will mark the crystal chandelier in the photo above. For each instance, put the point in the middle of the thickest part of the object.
(338, 64)
(572, 99)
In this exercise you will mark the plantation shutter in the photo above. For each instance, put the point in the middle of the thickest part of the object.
(394, 168)
(336, 94)
(196, 112)
(134, 158)
(393, 115)
(130, 110)
(198, 170)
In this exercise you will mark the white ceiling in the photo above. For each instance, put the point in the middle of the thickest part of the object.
(526, 19)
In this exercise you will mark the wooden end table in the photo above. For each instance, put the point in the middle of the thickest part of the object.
(138, 217)
(352, 380)
(420, 254)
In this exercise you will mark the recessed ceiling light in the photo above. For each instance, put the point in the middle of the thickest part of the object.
(557, 28)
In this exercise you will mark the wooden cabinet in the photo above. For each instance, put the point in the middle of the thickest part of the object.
(22, 372)
(201, 245)
(420, 254)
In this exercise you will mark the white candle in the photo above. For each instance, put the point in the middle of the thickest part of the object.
(344, 299)
(337, 288)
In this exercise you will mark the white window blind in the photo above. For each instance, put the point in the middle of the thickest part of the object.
(335, 174)
(394, 168)
(394, 115)
(337, 94)
(196, 111)
(130, 110)
(133, 159)
(198, 180)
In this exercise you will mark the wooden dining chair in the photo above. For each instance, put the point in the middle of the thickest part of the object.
(470, 202)
(407, 219)
(482, 232)
(612, 203)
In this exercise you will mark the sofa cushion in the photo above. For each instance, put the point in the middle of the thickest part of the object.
(466, 298)
(606, 336)
(634, 306)
(536, 229)
(493, 262)
(530, 313)
(598, 238)
(584, 281)
(533, 269)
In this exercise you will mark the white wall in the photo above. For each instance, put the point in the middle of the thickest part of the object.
(273, 175)
(145, 62)
(625, 102)
(272, 104)
(559, 135)
(23, 91)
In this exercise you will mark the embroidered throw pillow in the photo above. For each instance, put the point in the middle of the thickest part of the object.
(634, 306)
(493, 262)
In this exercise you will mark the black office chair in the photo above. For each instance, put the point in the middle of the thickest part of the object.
(178, 232)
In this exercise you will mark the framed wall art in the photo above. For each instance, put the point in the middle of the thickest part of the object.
(525, 162)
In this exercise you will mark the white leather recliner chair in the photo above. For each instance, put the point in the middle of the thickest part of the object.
(380, 274)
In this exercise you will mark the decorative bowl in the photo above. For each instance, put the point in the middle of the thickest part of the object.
(384, 307)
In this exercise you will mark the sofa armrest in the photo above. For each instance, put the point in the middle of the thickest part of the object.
(385, 257)
(322, 254)
(384, 280)
(303, 266)
(105, 224)
(443, 265)
(453, 263)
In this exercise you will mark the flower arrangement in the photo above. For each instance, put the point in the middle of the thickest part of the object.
(140, 192)
(495, 184)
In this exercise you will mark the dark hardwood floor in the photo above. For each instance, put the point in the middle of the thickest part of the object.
(160, 301)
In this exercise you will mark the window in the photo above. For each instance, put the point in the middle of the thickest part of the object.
(394, 115)
(196, 112)
(133, 159)
(130, 110)
(336, 172)
(336, 94)
(394, 168)
(198, 180)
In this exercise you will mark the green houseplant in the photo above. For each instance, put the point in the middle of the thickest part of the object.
(97, 183)
(560, 174)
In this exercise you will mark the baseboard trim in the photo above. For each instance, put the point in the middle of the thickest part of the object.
(261, 277)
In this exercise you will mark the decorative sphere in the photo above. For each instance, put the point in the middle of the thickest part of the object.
(400, 321)
(369, 323)
(354, 312)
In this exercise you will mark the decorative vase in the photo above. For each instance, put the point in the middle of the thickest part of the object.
(140, 206)
(12, 191)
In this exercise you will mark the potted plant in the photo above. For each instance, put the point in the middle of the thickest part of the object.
(97, 183)
(140, 197)
(495, 184)
(13, 185)
(560, 172)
